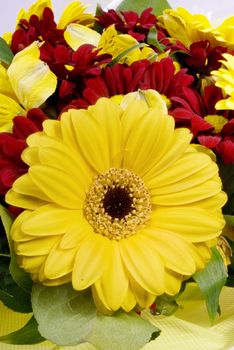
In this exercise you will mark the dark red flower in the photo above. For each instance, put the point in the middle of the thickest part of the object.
(203, 59)
(122, 79)
(211, 128)
(128, 22)
(35, 29)
(13, 144)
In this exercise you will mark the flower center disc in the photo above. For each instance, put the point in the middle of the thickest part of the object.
(117, 204)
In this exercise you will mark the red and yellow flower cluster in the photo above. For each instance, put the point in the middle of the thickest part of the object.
(188, 64)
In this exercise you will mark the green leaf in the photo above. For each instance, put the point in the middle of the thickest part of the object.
(229, 219)
(68, 317)
(152, 39)
(211, 281)
(97, 26)
(6, 55)
(18, 274)
(15, 298)
(166, 305)
(27, 335)
(140, 5)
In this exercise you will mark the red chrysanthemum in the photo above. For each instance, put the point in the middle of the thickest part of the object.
(211, 128)
(121, 79)
(128, 22)
(13, 144)
(35, 29)
(202, 58)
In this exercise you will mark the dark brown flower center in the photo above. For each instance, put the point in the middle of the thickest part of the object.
(117, 202)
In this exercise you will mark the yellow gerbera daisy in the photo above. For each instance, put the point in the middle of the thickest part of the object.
(117, 200)
(224, 77)
(189, 28)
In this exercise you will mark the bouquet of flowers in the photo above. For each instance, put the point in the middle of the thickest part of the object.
(116, 169)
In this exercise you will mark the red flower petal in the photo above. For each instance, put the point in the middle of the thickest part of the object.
(209, 141)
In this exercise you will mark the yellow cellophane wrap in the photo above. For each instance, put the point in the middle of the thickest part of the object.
(188, 329)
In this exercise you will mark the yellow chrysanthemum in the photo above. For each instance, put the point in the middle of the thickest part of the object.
(26, 84)
(224, 77)
(110, 42)
(117, 200)
(189, 28)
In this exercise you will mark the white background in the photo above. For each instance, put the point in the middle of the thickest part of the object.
(215, 9)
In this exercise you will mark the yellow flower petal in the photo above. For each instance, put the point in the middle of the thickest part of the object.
(25, 186)
(5, 85)
(74, 13)
(67, 194)
(77, 35)
(16, 230)
(49, 220)
(92, 136)
(74, 236)
(143, 298)
(36, 8)
(173, 282)
(23, 201)
(113, 285)
(151, 97)
(167, 245)
(137, 253)
(190, 167)
(9, 108)
(54, 265)
(129, 301)
(92, 259)
(33, 263)
(186, 196)
(52, 128)
(172, 149)
(195, 225)
(31, 79)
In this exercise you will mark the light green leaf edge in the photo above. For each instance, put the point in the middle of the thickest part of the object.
(229, 219)
(152, 39)
(125, 52)
(67, 317)
(211, 281)
(6, 55)
(28, 334)
(140, 5)
(17, 273)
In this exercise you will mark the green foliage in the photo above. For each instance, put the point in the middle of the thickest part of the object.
(140, 5)
(28, 334)
(166, 305)
(152, 39)
(15, 284)
(68, 317)
(211, 281)
(18, 274)
(6, 55)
